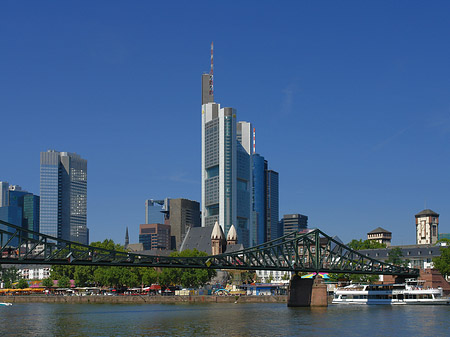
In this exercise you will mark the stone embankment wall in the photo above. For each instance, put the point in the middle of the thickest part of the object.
(143, 299)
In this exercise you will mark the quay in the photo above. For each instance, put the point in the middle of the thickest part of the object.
(135, 299)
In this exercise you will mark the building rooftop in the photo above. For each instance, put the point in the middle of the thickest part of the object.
(426, 212)
(379, 230)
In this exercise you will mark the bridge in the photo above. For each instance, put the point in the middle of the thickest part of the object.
(295, 252)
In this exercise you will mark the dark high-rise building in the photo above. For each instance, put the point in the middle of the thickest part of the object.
(31, 212)
(294, 223)
(259, 229)
(64, 196)
(272, 205)
(21, 208)
(183, 215)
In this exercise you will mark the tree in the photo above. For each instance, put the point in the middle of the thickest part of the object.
(48, 282)
(189, 277)
(148, 276)
(366, 244)
(442, 263)
(64, 282)
(395, 258)
(22, 284)
(9, 276)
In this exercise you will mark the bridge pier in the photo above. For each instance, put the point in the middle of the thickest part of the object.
(307, 292)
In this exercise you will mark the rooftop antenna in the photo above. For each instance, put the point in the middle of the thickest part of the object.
(254, 140)
(211, 72)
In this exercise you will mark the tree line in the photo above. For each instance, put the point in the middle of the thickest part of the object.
(130, 277)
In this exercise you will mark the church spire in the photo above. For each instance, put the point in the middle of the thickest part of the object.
(127, 238)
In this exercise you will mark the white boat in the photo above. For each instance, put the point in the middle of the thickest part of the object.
(5, 304)
(410, 292)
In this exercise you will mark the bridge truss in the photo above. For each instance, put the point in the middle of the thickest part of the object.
(313, 251)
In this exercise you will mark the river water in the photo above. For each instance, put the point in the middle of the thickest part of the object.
(221, 319)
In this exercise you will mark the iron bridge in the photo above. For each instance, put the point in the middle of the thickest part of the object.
(314, 251)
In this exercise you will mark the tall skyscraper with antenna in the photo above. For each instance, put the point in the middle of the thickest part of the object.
(226, 164)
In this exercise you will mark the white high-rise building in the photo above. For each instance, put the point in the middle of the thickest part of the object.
(63, 202)
(4, 194)
(226, 170)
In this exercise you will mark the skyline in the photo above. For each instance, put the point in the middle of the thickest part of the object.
(350, 105)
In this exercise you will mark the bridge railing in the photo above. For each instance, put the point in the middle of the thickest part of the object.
(313, 251)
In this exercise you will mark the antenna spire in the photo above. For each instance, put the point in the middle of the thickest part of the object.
(211, 72)
(254, 140)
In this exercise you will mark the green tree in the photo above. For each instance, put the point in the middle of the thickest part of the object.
(366, 244)
(286, 277)
(442, 263)
(64, 282)
(48, 282)
(22, 284)
(9, 276)
(189, 277)
(148, 276)
(396, 258)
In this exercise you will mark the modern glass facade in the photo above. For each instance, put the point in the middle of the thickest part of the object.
(63, 200)
(31, 212)
(259, 200)
(272, 207)
(154, 211)
(12, 215)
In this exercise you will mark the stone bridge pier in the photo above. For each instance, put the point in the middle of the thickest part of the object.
(307, 292)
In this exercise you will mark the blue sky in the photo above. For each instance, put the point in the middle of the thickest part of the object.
(350, 101)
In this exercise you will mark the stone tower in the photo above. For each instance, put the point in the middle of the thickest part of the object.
(232, 236)
(217, 240)
(427, 227)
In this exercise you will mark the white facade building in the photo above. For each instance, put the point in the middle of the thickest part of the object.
(226, 170)
(34, 272)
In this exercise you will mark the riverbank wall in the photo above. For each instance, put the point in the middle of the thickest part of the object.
(143, 299)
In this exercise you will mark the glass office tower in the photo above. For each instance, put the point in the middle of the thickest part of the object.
(63, 204)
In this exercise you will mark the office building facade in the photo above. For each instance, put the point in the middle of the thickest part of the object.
(63, 199)
(259, 232)
(21, 208)
(272, 205)
(183, 214)
(4, 193)
(155, 236)
(226, 170)
(156, 211)
(294, 223)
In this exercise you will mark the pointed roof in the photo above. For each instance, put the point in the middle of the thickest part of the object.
(379, 230)
(232, 235)
(127, 238)
(426, 212)
(217, 233)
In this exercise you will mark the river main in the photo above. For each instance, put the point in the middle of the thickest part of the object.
(222, 319)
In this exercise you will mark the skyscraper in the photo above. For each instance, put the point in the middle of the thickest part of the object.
(156, 210)
(272, 206)
(184, 214)
(218, 166)
(259, 232)
(294, 223)
(226, 170)
(63, 201)
(4, 193)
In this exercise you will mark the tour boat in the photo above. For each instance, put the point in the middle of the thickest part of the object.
(6, 304)
(410, 292)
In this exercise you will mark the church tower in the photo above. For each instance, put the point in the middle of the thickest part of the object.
(232, 236)
(217, 240)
